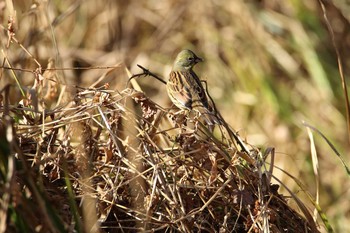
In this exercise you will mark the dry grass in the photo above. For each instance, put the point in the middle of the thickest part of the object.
(81, 151)
(130, 167)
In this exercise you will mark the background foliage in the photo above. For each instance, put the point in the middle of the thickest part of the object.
(270, 65)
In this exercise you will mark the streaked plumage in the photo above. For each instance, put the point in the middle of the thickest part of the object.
(185, 88)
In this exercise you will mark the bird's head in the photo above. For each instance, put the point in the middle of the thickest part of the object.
(185, 60)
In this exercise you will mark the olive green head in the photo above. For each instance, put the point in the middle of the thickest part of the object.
(185, 60)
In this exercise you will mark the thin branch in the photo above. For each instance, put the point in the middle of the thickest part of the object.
(145, 73)
(232, 134)
(340, 66)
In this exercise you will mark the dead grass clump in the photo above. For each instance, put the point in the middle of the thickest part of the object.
(115, 161)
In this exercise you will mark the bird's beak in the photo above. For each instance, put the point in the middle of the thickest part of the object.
(198, 59)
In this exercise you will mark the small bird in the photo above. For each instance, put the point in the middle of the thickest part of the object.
(185, 88)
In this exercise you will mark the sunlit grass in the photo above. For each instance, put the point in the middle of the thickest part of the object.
(270, 65)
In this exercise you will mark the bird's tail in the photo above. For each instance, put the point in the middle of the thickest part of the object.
(210, 117)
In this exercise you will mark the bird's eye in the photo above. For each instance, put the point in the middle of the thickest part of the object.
(191, 58)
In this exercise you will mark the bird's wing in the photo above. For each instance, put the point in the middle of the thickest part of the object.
(199, 96)
(179, 90)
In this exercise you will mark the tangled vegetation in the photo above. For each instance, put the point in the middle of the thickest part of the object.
(86, 146)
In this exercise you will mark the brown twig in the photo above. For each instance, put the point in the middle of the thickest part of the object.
(145, 73)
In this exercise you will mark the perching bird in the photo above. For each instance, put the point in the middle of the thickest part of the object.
(185, 88)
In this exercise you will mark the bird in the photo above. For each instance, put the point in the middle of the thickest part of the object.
(185, 89)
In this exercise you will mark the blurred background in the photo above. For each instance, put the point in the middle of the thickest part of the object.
(270, 65)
